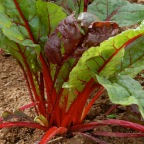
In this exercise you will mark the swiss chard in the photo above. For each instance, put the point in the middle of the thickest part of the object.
(64, 59)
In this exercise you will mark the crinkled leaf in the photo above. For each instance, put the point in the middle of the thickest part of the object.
(70, 32)
(121, 11)
(52, 49)
(109, 58)
(100, 31)
(66, 29)
(124, 90)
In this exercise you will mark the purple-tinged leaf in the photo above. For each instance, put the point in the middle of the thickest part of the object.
(71, 35)
(100, 31)
(78, 52)
(52, 49)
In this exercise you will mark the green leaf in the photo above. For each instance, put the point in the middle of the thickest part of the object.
(121, 11)
(19, 52)
(29, 22)
(124, 90)
(115, 55)
(56, 15)
(20, 114)
(25, 26)
(71, 6)
(6, 115)
(12, 24)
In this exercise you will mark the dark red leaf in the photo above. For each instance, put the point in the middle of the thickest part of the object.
(71, 35)
(100, 31)
(79, 51)
(52, 49)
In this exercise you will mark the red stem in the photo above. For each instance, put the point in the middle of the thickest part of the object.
(22, 124)
(122, 123)
(42, 86)
(75, 105)
(33, 104)
(37, 97)
(83, 102)
(86, 110)
(51, 93)
(111, 109)
(51, 133)
(57, 110)
(29, 88)
(41, 109)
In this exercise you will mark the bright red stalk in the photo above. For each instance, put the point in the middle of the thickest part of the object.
(22, 124)
(51, 133)
(26, 24)
(29, 88)
(29, 73)
(51, 94)
(86, 110)
(71, 114)
(33, 104)
(83, 102)
(111, 109)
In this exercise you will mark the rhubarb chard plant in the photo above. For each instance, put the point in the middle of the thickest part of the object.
(71, 50)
